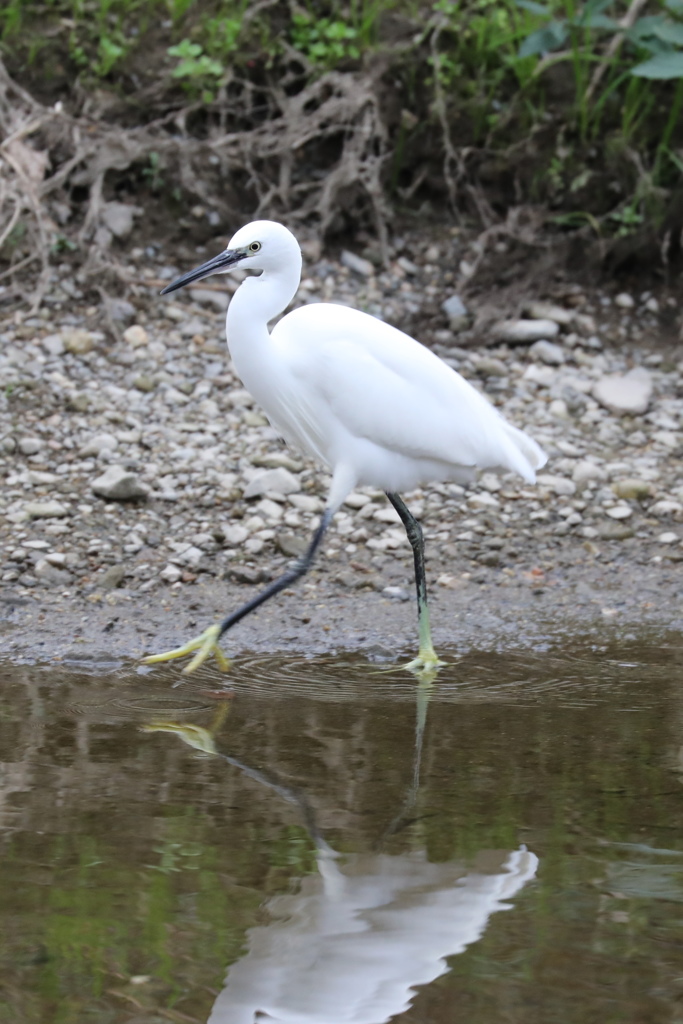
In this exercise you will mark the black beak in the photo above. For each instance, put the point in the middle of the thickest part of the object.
(225, 259)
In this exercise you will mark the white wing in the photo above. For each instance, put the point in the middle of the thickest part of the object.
(381, 385)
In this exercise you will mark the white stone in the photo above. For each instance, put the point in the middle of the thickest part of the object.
(119, 218)
(619, 512)
(30, 445)
(625, 394)
(280, 481)
(483, 500)
(270, 509)
(305, 502)
(136, 336)
(234, 534)
(558, 409)
(57, 558)
(548, 311)
(171, 573)
(99, 443)
(188, 555)
(668, 438)
(357, 264)
(585, 471)
(387, 515)
(53, 345)
(665, 508)
(543, 375)
(548, 352)
(559, 485)
(667, 538)
(44, 510)
(524, 332)
(624, 301)
(119, 484)
(356, 500)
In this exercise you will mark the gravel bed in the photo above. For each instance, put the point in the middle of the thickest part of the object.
(141, 468)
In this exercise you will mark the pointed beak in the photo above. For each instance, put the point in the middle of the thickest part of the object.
(217, 265)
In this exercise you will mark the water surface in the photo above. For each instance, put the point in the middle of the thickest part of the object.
(326, 842)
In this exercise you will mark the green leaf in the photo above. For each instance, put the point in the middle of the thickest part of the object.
(600, 21)
(184, 49)
(662, 66)
(643, 27)
(530, 5)
(670, 32)
(550, 37)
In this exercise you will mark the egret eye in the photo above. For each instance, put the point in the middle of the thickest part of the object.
(254, 247)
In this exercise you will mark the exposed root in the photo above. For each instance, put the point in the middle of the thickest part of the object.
(46, 153)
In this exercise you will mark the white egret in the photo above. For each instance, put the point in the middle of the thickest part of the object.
(369, 402)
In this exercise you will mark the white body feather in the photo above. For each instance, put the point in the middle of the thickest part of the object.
(368, 401)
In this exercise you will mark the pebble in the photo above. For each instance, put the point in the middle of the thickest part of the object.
(53, 345)
(524, 332)
(234, 534)
(547, 352)
(30, 445)
(357, 264)
(78, 342)
(625, 394)
(632, 489)
(291, 544)
(119, 484)
(619, 512)
(170, 573)
(98, 444)
(119, 218)
(549, 311)
(45, 509)
(136, 336)
(457, 312)
(279, 481)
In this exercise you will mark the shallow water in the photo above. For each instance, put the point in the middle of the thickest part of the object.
(326, 842)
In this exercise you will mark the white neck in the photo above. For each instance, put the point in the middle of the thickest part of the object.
(257, 301)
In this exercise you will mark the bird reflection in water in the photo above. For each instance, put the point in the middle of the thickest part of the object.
(365, 931)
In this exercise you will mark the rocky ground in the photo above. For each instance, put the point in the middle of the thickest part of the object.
(144, 493)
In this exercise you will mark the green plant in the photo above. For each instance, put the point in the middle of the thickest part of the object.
(10, 18)
(475, 58)
(195, 68)
(62, 244)
(626, 219)
(651, 48)
(324, 41)
(152, 173)
(222, 36)
(109, 53)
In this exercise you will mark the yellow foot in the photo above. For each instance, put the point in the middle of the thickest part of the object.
(205, 645)
(425, 666)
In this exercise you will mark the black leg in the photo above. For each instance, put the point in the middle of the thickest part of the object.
(426, 657)
(207, 644)
(301, 566)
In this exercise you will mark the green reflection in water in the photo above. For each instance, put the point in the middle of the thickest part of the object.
(133, 867)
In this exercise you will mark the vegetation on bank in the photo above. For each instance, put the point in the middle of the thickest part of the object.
(481, 104)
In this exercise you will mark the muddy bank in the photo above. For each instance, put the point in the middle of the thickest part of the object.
(598, 602)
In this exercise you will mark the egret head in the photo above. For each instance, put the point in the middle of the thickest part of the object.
(261, 245)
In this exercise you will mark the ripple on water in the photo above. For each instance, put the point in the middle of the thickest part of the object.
(586, 678)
